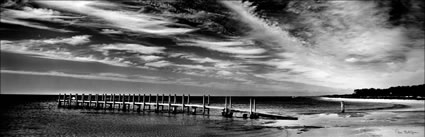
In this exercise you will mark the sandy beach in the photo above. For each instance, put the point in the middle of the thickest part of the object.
(396, 122)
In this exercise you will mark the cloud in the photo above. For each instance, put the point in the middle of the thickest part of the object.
(159, 64)
(231, 47)
(150, 58)
(127, 20)
(111, 31)
(30, 24)
(134, 48)
(350, 44)
(19, 17)
(59, 49)
(96, 76)
(194, 58)
(75, 40)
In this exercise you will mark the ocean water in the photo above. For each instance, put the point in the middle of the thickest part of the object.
(38, 115)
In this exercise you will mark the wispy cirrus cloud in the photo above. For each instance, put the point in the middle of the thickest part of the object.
(111, 31)
(75, 40)
(135, 48)
(350, 45)
(98, 76)
(59, 49)
(230, 47)
(127, 20)
(20, 17)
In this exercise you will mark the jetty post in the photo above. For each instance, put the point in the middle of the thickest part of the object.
(230, 102)
(144, 102)
(134, 103)
(203, 104)
(59, 100)
(69, 99)
(129, 102)
(188, 102)
(139, 105)
(123, 103)
(175, 102)
(96, 98)
(82, 100)
(113, 101)
(208, 103)
(255, 106)
(162, 102)
(104, 100)
(157, 103)
(342, 107)
(225, 104)
(89, 104)
(119, 100)
(175, 98)
(76, 100)
(183, 103)
(150, 101)
(169, 103)
(64, 99)
(250, 106)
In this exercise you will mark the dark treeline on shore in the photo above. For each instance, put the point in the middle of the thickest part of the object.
(399, 92)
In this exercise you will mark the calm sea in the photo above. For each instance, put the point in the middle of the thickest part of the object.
(38, 115)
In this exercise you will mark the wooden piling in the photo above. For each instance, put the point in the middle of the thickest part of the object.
(162, 102)
(82, 99)
(89, 101)
(183, 103)
(124, 106)
(175, 98)
(76, 100)
(64, 99)
(69, 99)
(203, 105)
(134, 101)
(97, 101)
(208, 103)
(225, 103)
(250, 106)
(104, 101)
(162, 99)
(157, 103)
(255, 106)
(188, 102)
(139, 106)
(149, 102)
(230, 101)
(144, 103)
(188, 99)
(113, 101)
(169, 103)
(59, 100)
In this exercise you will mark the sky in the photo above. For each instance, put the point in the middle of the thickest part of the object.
(108, 47)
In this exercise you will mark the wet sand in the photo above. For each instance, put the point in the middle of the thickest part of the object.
(407, 121)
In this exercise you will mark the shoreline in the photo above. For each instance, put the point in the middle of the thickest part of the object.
(377, 100)
(409, 105)
(406, 120)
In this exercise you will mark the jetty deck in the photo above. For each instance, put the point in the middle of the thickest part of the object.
(170, 104)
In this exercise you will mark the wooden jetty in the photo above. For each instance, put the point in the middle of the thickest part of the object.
(158, 103)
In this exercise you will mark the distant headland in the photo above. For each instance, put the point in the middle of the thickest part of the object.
(399, 92)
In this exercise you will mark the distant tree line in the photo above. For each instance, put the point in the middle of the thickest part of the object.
(399, 92)
(412, 91)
